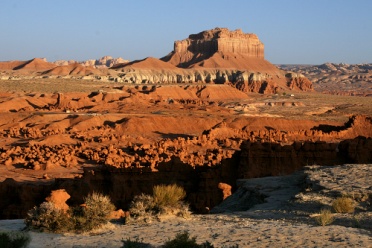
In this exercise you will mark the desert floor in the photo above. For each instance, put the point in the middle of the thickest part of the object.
(282, 220)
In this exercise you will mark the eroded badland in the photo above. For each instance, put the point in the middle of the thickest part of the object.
(210, 112)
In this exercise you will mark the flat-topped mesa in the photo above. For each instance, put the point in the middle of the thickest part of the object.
(224, 40)
(219, 40)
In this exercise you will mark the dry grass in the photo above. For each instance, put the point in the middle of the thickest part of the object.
(343, 205)
(166, 200)
(325, 217)
(168, 195)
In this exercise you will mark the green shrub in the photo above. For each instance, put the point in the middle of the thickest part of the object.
(343, 205)
(14, 239)
(47, 217)
(324, 218)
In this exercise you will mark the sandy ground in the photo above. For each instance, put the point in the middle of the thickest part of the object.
(221, 230)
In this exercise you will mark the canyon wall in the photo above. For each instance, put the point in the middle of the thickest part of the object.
(202, 183)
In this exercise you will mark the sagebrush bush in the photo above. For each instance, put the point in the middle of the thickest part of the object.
(14, 239)
(47, 217)
(343, 205)
(92, 214)
(142, 207)
(325, 217)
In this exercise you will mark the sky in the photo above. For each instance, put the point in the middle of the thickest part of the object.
(293, 31)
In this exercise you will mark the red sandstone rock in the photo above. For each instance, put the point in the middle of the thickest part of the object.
(199, 47)
(59, 198)
(226, 189)
(118, 214)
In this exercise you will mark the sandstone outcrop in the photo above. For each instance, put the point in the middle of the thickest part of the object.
(59, 198)
(201, 46)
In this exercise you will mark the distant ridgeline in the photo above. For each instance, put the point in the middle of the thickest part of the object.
(217, 56)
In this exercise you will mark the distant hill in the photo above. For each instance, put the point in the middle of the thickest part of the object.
(34, 65)
(147, 63)
(73, 69)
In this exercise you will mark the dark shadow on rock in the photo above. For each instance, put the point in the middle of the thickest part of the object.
(173, 135)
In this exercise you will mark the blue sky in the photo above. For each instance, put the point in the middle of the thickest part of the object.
(293, 31)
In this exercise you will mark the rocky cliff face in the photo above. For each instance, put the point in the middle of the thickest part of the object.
(269, 159)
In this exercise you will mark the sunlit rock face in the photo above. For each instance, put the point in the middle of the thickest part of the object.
(219, 40)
